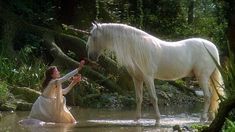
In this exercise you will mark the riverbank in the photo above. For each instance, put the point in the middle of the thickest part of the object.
(88, 95)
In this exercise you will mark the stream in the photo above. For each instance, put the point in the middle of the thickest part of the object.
(103, 120)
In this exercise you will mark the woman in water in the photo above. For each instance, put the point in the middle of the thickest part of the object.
(51, 104)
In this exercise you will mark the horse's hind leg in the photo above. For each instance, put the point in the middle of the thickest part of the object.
(139, 95)
(203, 82)
(151, 89)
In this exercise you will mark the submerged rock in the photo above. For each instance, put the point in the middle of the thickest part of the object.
(177, 128)
(31, 122)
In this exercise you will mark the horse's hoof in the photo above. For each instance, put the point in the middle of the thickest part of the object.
(157, 123)
(203, 120)
(137, 118)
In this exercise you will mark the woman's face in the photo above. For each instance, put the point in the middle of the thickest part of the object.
(55, 74)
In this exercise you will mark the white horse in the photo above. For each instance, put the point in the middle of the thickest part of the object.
(147, 57)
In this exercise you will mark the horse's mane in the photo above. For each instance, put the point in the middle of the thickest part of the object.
(131, 45)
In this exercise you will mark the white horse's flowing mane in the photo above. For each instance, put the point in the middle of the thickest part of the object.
(132, 46)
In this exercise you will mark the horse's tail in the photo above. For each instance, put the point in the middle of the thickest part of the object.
(217, 90)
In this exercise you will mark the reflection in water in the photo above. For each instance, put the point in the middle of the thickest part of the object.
(40, 126)
(97, 120)
(49, 128)
(140, 122)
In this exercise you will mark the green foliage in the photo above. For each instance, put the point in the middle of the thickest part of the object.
(198, 127)
(170, 19)
(28, 45)
(25, 69)
(15, 73)
(229, 126)
(4, 92)
(229, 76)
(39, 12)
(181, 82)
(7, 100)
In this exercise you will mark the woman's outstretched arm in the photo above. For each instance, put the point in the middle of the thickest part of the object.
(72, 73)
(75, 80)
(68, 75)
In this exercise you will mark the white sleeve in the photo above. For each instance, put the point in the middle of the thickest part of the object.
(67, 76)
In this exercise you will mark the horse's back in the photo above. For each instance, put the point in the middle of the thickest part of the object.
(200, 48)
(186, 57)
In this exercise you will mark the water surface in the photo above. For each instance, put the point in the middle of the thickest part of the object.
(101, 120)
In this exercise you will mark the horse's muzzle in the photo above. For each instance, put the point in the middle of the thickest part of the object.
(93, 56)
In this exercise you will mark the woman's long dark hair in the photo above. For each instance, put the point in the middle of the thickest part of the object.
(48, 76)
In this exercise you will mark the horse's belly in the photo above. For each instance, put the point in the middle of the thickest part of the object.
(167, 77)
(172, 74)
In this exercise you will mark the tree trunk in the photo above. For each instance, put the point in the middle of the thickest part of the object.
(8, 34)
(223, 112)
(191, 11)
(231, 25)
(9, 28)
(73, 44)
(66, 11)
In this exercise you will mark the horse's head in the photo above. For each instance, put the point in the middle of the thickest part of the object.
(95, 43)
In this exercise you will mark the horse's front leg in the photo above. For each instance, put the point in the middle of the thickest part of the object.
(149, 81)
(138, 83)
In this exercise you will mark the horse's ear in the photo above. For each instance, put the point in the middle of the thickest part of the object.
(94, 23)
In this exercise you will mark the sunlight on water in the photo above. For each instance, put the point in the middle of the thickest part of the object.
(97, 120)
(167, 121)
(142, 122)
(180, 119)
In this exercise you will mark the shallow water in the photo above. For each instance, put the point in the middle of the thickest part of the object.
(100, 120)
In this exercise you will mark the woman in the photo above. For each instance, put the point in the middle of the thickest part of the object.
(51, 104)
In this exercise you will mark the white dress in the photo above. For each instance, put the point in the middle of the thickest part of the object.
(53, 108)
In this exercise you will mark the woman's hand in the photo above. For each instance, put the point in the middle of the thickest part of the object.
(82, 62)
(76, 79)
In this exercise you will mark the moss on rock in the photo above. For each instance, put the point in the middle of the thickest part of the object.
(26, 94)
(8, 106)
(23, 106)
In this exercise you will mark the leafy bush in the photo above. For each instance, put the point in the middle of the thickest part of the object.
(229, 76)
(198, 127)
(4, 92)
(229, 126)
(15, 73)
